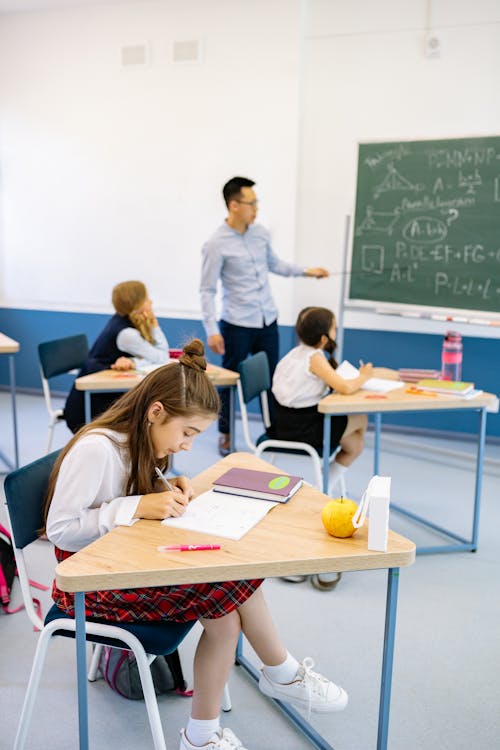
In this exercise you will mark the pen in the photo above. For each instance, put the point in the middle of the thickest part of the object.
(164, 480)
(361, 363)
(187, 547)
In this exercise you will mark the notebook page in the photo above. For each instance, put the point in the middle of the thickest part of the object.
(222, 514)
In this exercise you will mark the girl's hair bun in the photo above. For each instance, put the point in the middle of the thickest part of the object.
(193, 355)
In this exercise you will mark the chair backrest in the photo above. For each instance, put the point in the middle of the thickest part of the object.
(254, 375)
(25, 491)
(62, 355)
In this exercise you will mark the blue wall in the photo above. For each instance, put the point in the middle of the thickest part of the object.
(481, 356)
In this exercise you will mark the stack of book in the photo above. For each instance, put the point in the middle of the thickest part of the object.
(413, 375)
(262, 485)
(449, 387)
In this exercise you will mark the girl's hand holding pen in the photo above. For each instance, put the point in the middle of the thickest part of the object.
(366, 370)
(159, 505)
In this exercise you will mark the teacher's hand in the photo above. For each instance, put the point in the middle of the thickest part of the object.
(216, 343)
(317, 273)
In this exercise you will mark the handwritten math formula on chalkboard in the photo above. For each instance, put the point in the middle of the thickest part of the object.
(427, 224)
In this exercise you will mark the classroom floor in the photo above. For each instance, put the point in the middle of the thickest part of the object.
(446, 692)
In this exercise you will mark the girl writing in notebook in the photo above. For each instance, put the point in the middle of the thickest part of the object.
(130, 340)
(105, 477)
(304, 376)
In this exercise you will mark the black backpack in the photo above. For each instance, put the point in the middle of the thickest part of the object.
(119, 669)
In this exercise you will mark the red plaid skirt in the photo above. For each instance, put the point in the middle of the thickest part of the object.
(180, 603)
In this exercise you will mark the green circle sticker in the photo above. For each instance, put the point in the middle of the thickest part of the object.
(278, 483)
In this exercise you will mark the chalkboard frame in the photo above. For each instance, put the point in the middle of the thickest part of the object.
(386, 150)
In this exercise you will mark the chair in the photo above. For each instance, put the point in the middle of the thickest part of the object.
(56, 358)
(255, 380)
(25, 491)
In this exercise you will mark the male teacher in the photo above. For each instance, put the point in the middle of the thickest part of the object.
(239, 253)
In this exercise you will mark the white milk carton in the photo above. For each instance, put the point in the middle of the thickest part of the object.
(375, 502)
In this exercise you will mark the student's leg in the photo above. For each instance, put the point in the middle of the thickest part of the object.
(353, 439)
(213, 660)
(282, 675)
(351, 446)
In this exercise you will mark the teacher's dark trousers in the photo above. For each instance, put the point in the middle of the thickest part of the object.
(239, 343)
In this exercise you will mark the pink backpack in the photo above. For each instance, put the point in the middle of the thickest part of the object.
(8, 571)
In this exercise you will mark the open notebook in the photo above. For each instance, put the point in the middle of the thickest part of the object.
(348, 372)
(222, 514)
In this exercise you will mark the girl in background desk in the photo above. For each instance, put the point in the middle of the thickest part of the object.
(105, 477)
(306, 375)
(130, 340)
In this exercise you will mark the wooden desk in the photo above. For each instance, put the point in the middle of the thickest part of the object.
(10, 347)
(108, 381)
(398, 400)
(289, 540)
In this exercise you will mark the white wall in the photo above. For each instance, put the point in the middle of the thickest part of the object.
(108, 174)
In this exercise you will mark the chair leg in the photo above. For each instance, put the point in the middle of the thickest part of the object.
(226, 699)
(150, 700)
(49, 437)
(94, 663)
(32, 689)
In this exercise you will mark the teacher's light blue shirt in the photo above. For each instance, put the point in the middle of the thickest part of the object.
(242, 262)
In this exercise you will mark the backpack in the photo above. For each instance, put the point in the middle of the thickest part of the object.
(119, 669)
(8, 571)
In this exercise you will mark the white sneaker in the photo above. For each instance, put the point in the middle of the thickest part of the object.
(309, 690)
(224, 739)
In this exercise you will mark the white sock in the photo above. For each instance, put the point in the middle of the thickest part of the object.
(285, 672)
(336, 471)
(200, 731)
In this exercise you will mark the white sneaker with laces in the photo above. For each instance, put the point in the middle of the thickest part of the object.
(224, 739)
(309, 690)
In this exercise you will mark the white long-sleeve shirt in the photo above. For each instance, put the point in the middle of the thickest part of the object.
(143, 353)
(89, 498)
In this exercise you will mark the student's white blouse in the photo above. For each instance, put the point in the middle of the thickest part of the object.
(294, 385)
(89, 499)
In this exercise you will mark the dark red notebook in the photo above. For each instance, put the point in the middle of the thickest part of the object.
(259, 484)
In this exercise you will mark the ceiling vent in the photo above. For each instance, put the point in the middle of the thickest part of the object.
(187, 51)
(134, 56)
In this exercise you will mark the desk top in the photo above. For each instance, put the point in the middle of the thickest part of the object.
(125, 381)
(366, 402)
(289, 540)
(8, 345)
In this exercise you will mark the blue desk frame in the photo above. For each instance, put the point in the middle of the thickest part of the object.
(12, 384)
(459, 543)
(299, 722)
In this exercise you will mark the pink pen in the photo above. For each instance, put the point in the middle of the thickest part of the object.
(187, 547)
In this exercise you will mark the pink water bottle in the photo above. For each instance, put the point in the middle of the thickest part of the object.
(451, 356)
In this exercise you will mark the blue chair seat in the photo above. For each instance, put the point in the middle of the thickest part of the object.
(157, 636)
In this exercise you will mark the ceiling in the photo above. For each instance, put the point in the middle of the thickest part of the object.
(14, 6)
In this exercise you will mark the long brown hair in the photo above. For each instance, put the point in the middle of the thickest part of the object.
(184, 390)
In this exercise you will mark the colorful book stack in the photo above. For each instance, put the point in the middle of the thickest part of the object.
(262, 485)
(449, 387)
(413, 375)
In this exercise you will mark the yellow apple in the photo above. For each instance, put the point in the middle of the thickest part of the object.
(337, 516)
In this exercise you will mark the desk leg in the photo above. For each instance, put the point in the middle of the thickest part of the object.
(86, 401)
(14, 410)
(232, 422)
(81, 668)
(327, 428)
(479, 477)
(389, 637)
(376, 450)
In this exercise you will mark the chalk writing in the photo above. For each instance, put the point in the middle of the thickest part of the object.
(427, 224)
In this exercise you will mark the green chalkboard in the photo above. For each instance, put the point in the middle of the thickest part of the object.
(427, 224)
